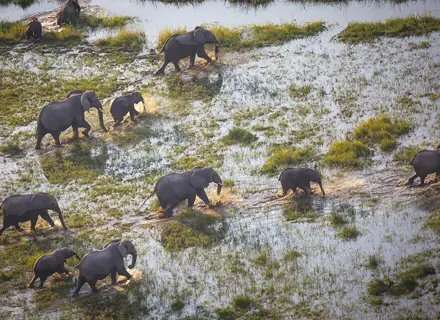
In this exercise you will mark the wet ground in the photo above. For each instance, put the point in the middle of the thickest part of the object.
(292, 268)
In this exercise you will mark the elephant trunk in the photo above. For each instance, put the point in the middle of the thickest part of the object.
(322, 189)
(58, 210)
(101, 118)
(133, 260)
(219, 183)
(217, 46)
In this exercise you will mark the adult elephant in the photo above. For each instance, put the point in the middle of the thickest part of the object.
(180, 46)
(57, 116)
(125, 104)
(34, 30)
(293, 178)
(425, 162)
(68, 13)
(52, 263)
(176, 187)
(25, 207)
(97, 265)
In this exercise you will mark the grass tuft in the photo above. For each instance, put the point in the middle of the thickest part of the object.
(349, 154)
(12, 32)
(167, 32)
(357, 32)
(348, 233)
(127, 40)
(112, 22)
(282, 156)
(239, 136)
(300, 92)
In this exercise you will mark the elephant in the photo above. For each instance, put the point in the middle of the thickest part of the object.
(122, 105)
(180, 46)
(425, 162)
(48, 264)
(34, 30)
(69, 12)
(175, 187)
(56, 117)
(292, 178)
(74, 92)
(25, 207)
(97, 265)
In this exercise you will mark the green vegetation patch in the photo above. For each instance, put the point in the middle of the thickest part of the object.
(10, 148)
(66, 35)
(433, 220)
(405, 154)
(348, 233)
(349, 154)
(113, 22)
(12, 32)
(192, 229)
(126, 40)
(167, 32)
(301, 209)
(283, 156)
(382, 130)
(357, 32)
(196, 88)
(239, 136)
(300, 92)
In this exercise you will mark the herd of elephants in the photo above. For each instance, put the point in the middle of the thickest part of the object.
(171, 189)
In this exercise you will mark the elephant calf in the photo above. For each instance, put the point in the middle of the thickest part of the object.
(34, 30)
(49, 264)
(176, 187)
(125, 104)
(25, 207)
(97, 265)
(425, 162)
(69, 12)
(292, 178)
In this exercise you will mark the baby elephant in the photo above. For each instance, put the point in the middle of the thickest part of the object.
(97, 265)
(125, 104)
(34, 30)
(49, 264)
(425, 162)
(292, 178)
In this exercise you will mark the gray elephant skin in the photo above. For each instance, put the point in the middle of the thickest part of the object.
(75, 91)
(189, 44)
(25, 207)
(52, 263)
(293, 178)
(176, 187)
(57, 116)
(97, 265)
(68, 13)
(125, 104)
(425, 162)
(34, 30)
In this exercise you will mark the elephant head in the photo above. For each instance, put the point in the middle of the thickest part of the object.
(65, 253)
(126, 247)
(204, 36)
(201, 177)
(136, 97)
(89, 99)
(47, 201)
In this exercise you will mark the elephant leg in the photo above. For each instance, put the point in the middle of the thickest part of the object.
(81, 282)
(192, 59)
(113, 276)
(31, 284)
(169, 210)
(17, 227)
(56, 137)
(191, 200)
(45, 215)
(132, 115)
(411, 180)
(201, 53)
(123, 272)
(162, 69)
(304, 188)
(176, 66)
(41, 132)
(93, 286)
(202, 195)
(42, 279)
(87, 127)
(34, 223)
(75, 131)
(422, 180)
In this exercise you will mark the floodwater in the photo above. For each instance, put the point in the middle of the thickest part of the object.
(330, 275)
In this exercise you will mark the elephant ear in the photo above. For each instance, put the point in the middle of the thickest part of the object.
(200, 35)
(122, 249)
(188, 38)
(199, 178)
(85, 100)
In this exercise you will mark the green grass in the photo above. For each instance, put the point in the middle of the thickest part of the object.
(282, 156)
(229, 38)
(112, 22)
(302, 208)
(67, 35)
(126, 40)
(239, 136)
(12, 32)
(348, 233)
(299, 92)
(357, 32)
(10, 148)
(433, 220)
(291, 255)
(348, 154)
(381, 130)
(197, 88)
(406, 154)
(337, 219)
(167, 32)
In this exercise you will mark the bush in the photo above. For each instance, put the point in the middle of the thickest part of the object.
(350, 154)
(239, 136)
(125, 40)
(283, 156)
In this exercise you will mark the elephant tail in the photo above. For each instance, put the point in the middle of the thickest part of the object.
(154, 191)
(162, 50)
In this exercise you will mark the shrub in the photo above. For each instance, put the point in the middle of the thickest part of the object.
(350, 154)
(282, 156)
(239, 136)
(125, 40)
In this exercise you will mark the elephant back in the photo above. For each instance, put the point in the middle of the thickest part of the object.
(15, 205)
(59, 115)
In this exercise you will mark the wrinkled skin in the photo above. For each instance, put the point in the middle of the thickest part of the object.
(74, 92)
(190, 44)
(57, 116)
(425, 162)
(68, 13)
(49, 264)
(34, 30)
(176, 187)
(125, 104)
(97, 265)
(293, 178)
(28, 207)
